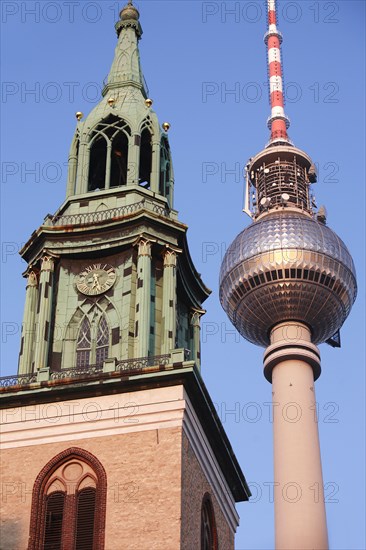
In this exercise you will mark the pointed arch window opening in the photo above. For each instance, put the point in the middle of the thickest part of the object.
(92, 346)
(145, 164)
(119, 160)
(108, 154)
(69, 503)
(209, 539)
(97, 163)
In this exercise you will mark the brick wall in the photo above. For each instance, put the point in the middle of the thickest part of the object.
(194, 487)
(143, 491)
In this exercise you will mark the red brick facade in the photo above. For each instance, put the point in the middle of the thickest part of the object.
(154, 490)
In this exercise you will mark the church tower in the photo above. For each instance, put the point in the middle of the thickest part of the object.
(110, 438)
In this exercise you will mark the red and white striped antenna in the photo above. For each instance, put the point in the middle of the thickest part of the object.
(278, 122)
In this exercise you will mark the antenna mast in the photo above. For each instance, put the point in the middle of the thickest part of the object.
(278, 122)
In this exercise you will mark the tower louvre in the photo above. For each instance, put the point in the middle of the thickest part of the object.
(287, 283)
(136, 456)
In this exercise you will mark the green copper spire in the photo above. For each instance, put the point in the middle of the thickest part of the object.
(126, 66)
(120, 146)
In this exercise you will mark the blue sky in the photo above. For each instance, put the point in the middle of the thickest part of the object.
(205, 65)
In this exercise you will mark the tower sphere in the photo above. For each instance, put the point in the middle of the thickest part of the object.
(129, 12)
(287, 267)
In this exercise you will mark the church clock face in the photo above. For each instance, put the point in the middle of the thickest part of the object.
(96, 279)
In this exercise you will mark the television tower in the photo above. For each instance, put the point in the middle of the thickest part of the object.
(287, 283)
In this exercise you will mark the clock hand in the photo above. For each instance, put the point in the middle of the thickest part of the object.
(96, 283)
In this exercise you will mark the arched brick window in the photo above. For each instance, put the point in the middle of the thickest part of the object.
(208, 525)
(68, 503)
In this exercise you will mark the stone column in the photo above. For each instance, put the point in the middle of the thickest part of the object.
(71, 175)
(133, 171)
(195, 322)
(143, 298)
(107, 177)
(28, 326)
(171, 186)
(292, 363)
(155, 166)
(44, 311)
(83, 169)
(169, 306)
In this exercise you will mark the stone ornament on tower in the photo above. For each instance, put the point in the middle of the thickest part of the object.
(47, 263)
(195, 317)
(32, 279)
(28, 324)
(195, 322)
(169, 304)
(144, 247)
(143, 298)
(44, 317)
(170, 258)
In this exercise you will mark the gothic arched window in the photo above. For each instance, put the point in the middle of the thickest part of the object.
(84, 344)
(69, 503)
(92, 345)
(119, 160)
(108, 160)
(208, 525)
(97, 163)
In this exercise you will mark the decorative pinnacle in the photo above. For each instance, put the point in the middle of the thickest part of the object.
(278, 122)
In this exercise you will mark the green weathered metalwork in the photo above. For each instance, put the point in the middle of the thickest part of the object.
(118, 215)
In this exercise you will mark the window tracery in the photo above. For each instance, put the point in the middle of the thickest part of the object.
(108, 154)
(68, 503)
(92, 345)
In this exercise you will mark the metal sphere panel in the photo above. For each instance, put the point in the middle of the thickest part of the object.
(287, 267)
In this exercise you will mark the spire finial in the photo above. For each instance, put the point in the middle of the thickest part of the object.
(129, 11)
(278, 122)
